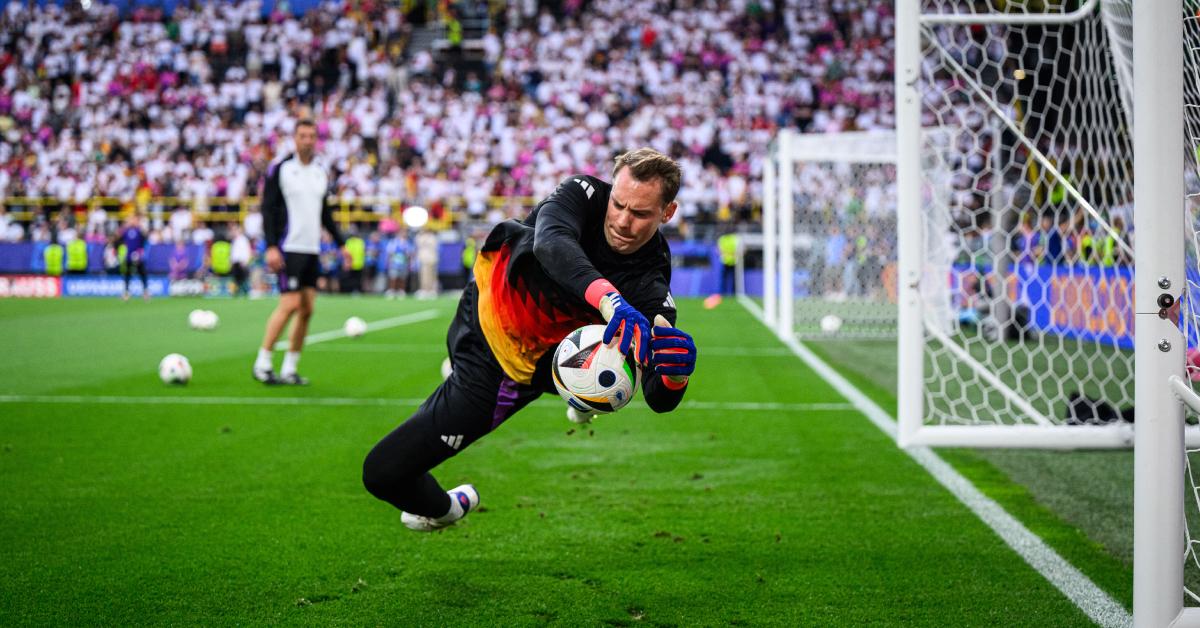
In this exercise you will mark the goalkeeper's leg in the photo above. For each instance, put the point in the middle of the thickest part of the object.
(473, 401)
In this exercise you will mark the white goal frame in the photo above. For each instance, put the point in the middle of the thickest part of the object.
(779, 238)
(1159, 457)
(1041, 432)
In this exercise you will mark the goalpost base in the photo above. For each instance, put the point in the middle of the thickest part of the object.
(1187, 618)
(1021, 436)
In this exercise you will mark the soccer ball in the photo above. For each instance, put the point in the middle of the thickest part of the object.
(354, 327)
(209, 320)
(447, 368)
(831, 323)
(203, 320)
(174, 369)
(592, 377)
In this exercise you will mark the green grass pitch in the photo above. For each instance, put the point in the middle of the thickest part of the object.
(764, 500)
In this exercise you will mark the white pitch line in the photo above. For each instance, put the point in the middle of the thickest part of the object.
(366, 401)
(387, 323)
(208, 401)
(1097, 604)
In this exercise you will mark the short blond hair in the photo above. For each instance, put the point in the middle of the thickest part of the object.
(647, 164)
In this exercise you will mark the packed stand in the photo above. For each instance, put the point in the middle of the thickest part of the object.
(195, 105)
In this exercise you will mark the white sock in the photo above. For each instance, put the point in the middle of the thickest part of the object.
(456, 512)
(291, 360)
(263, 362)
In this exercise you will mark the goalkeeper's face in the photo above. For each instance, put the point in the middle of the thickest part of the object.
(635, 211)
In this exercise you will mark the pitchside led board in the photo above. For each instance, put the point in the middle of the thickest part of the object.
(1083, 302)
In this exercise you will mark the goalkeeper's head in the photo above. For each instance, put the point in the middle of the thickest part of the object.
(645, 183)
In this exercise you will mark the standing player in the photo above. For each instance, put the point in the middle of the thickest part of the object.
(589, 253)
(294, 209)
(133, 239)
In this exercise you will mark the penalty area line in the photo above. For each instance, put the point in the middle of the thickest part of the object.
(387, 323)
(1097, 604)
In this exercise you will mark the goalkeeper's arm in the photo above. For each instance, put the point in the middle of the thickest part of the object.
(556, 235)
(558, 229)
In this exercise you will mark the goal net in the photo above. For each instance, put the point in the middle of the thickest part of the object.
(1022, 261)
(839, 191)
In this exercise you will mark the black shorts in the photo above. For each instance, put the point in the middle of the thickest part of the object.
(476, 398)
(300, 270)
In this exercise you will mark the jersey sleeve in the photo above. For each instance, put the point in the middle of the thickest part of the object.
(328, 222)
(274, 212)
(557, 233)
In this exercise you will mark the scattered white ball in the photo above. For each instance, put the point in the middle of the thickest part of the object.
(174, 369)
(831, 323)
(447, 368)
(203, 320)
(210, 320)
(354, 327)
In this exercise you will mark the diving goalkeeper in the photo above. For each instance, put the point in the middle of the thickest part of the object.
(589, 253)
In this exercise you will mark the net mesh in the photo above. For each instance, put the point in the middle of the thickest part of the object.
(844, 193)
(1028, 188)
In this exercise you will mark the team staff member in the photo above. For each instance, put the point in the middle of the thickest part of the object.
(294, 209)
(589, 253)
(133, 240)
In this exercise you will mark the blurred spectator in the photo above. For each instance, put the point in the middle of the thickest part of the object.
(195, 105)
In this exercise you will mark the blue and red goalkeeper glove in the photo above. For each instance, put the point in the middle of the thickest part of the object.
(624, 319)
(673, 352)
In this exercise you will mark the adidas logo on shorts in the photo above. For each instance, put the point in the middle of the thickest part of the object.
(453, 441)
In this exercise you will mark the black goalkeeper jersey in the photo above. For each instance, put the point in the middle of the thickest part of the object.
(532, 276)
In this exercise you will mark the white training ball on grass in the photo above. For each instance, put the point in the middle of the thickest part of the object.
(210, 320)
(447, 368)
(196, 319)
(174, 369)
(831, 323)
(354, 327)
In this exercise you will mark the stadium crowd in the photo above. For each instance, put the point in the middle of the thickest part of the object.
(195, 105)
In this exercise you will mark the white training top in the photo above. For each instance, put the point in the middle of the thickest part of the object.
(302, 188)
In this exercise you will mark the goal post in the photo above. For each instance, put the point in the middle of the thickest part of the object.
(1159, 520)
(828, 239)
(1014, 180)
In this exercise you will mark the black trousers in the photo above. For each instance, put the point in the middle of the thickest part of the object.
(138, 265)
(476, 398)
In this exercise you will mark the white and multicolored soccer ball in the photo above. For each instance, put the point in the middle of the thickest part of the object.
(196, 319)
(354, 327)
(592, 377)
(174, 369)
(831, 323)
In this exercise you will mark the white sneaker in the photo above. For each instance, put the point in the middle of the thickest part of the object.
(579, 418)
(468, 500)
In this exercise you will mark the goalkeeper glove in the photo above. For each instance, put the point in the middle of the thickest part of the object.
(673, 351)
(625, 320)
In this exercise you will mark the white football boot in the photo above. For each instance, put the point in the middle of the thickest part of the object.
(579, 418)
(463, 500)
